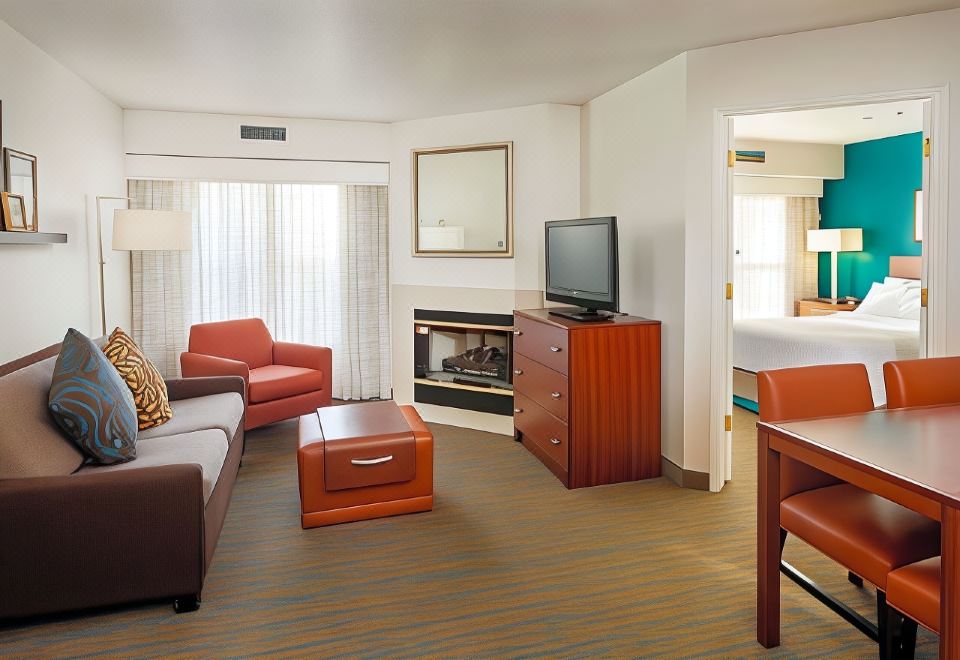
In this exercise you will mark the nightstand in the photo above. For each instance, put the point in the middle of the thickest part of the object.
(824, 306)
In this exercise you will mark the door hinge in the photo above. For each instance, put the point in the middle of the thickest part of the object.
(731, 157)
(728, 423)
(926, 147)
(729, 291)
(923, 297)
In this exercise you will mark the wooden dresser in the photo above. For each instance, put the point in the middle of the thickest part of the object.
(587, 396)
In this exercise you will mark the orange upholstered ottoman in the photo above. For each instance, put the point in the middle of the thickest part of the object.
(362, 461)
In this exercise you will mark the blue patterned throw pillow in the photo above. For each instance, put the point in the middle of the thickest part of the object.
(91, 403)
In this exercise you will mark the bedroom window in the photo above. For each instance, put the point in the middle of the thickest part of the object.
(772, 269)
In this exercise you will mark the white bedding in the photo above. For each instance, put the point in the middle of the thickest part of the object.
(760, 344)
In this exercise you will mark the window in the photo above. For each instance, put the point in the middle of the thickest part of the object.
(772, 269)
(309, 259)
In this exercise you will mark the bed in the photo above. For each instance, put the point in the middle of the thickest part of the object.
(865, 338)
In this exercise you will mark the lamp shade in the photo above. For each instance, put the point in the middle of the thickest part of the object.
(835, 240)
(140, 229)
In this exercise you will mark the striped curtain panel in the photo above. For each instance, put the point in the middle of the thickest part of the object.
(772, 268)
(309, 259)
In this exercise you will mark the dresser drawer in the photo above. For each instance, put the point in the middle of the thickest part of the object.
(545, 386)
(542, 342)
(548, 432)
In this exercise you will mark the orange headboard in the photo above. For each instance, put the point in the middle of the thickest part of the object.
(906, 267)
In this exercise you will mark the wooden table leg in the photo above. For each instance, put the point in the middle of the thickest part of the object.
(768, 542)
(950, 583)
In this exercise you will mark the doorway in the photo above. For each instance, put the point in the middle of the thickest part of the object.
(783, 189)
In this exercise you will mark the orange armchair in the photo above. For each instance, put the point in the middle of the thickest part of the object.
(283, 380)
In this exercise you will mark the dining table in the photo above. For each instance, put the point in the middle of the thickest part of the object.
(910, 456)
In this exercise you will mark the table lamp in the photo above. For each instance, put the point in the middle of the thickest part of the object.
(834, 241)
(144, 230)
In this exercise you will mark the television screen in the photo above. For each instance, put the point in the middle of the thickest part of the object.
(581, 258)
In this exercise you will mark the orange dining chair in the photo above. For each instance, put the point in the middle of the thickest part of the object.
(926, 382)
(913, 592)
(867, 534)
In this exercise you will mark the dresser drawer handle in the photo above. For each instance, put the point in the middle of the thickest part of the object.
(371, 461)
(555, 395)
(555, 349)
(555, 441)
(517, 333)
(518, 372)
(518, 410)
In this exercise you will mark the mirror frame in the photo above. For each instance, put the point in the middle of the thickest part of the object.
(9, 153)
(507, 252)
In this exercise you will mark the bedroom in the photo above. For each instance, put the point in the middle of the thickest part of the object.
(827, 228)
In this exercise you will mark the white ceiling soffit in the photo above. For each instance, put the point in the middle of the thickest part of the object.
(389, 60)
(843, 125)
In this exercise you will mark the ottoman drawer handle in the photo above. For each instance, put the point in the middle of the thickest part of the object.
(371, 461)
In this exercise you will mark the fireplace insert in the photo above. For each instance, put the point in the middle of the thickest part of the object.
(463, 360)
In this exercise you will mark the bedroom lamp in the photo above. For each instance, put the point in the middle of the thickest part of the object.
(834, 241)
(143, 230)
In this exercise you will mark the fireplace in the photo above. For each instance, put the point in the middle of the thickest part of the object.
(463, 360)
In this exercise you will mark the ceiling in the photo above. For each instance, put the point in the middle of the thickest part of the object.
(389, 60)
(843, 125)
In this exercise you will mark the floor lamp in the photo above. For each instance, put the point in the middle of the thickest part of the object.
(834, 241)
(142, 230)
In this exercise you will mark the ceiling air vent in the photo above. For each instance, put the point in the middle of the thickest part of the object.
(265, 133)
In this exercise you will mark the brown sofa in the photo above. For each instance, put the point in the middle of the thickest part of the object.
(75, 536)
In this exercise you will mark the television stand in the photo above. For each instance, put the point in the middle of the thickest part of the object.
(581, 314)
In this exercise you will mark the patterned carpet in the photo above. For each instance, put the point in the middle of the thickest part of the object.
(509, 563)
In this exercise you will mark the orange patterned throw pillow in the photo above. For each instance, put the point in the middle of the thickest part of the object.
(143, 379)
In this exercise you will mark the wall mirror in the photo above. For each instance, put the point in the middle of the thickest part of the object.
(463, 201)
(21, 179)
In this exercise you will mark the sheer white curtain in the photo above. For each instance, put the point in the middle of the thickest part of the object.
(772, 269)
(309, 259)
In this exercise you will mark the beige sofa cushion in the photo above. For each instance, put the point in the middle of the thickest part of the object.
(31, 444)
(208, 449)
(216, 411)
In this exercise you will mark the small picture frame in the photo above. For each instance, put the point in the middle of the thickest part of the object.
(15, 213)
(20, 177)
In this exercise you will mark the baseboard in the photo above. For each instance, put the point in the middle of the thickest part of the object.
(684, 478)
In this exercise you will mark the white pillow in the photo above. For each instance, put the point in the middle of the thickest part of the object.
(910, 303)
(882, 300)
(902, 281)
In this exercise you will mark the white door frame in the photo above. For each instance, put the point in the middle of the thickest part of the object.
(934, 249)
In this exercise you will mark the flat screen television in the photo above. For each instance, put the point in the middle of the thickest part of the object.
(582, 267)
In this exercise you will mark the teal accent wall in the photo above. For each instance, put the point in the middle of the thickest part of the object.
(876, 194)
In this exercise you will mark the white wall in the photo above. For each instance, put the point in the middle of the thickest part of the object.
(546, 184)
(76, 135)
(792, 159)
(199, 146)
(899, 54)
(632, 163)
(202, 134)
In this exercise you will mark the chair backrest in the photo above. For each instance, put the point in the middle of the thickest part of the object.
(820, 391)
(805, 393)
(246, 340)
(928, 382)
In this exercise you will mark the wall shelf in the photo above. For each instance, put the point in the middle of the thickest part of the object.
(31, 238)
